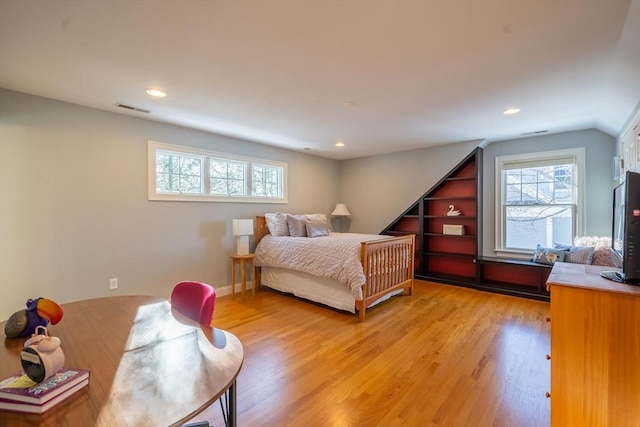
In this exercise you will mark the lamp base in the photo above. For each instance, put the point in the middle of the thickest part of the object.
(242, 247)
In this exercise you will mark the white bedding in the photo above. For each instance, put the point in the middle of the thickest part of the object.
(313, 288)
(335, 257)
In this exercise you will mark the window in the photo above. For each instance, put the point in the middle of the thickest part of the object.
(227, 178)
(183, 173)
(539, 200)
(265, 180)
(178, 173)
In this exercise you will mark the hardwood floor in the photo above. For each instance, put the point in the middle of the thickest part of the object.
(446, 356)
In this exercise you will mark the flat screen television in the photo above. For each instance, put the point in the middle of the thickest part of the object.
(625, 237)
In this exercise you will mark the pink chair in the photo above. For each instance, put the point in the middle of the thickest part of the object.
(195, 300)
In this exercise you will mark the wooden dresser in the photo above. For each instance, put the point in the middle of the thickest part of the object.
(595, 348)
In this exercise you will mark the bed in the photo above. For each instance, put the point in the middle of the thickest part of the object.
(345, 271)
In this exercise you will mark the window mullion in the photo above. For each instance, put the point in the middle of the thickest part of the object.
(206, 175)
(249, 179)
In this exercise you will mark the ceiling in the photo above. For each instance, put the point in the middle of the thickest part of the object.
(381, 76)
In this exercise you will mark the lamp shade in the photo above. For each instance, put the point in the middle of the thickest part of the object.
(341, 210)
(243, 227)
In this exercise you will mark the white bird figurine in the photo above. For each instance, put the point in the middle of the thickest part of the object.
(452, 212)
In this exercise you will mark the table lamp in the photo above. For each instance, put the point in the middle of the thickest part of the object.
(243, 228)
(340, 211)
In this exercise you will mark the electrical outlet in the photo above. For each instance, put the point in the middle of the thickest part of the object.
(113, 284)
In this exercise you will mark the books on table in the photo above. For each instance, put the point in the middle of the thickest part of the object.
(20, 393)
(34, 408)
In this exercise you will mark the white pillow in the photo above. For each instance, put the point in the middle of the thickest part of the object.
(297, 225)
(317, 218)
(277, 224)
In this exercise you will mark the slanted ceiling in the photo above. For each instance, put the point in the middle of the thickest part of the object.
(382, 76)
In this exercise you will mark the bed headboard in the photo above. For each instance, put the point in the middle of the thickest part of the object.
(261, 228)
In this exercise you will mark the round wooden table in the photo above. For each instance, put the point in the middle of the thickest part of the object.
(150, 366)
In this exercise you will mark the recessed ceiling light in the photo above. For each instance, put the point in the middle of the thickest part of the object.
(157, 93)
(511, 111)
(339, 144)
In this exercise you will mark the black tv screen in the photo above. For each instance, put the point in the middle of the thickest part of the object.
(625, 238)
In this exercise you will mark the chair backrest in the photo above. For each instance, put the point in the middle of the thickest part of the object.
(195, 300)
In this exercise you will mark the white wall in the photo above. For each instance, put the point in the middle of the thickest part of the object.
(378, 189)
(600, 149)
(74, 210)
(628, 146)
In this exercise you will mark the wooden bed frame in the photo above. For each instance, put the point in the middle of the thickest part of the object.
(387, 265)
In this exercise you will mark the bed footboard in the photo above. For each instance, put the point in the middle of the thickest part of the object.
(388, 266)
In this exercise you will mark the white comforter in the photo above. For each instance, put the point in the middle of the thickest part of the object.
(335, 257)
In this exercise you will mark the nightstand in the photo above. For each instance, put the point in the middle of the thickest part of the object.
(243, 260)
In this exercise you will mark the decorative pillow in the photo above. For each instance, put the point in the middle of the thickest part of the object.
(317, 229)
(607, 257)
(577, 254)
(592, 241)
(548, 255)
(277, 224)
(297, 225)
(317, 218)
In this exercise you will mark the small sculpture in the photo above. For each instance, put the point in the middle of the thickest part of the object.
(39, 312)
(453, 212)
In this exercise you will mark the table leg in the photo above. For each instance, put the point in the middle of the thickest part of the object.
(233, 277)
(253, 278)
(232, 405)
(243, 275)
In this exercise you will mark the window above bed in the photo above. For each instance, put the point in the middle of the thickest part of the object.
(189, 174)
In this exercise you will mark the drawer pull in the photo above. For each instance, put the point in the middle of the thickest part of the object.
(548, 395)
(547, 319)
(548, 357)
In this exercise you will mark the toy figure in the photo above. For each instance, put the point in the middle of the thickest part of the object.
(39, 312)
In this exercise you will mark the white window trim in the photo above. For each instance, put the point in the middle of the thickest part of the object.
(578, 154)
(152, 146)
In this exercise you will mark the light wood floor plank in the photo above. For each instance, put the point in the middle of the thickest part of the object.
(445, 356)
